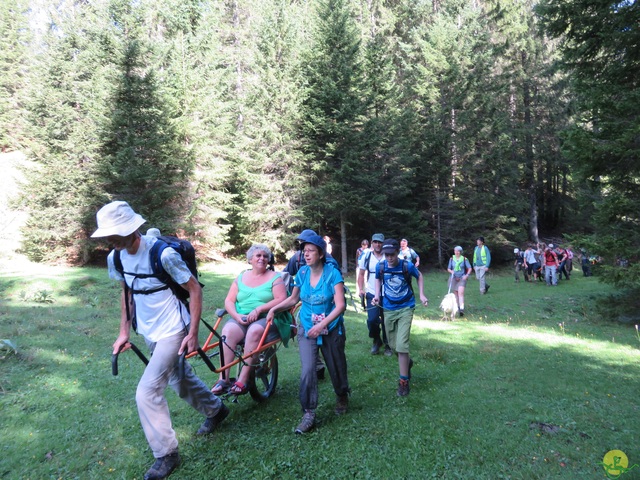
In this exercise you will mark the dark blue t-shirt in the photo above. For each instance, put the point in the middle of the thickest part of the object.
(396, 292)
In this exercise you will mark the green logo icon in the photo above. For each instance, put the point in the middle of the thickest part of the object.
(615, 463)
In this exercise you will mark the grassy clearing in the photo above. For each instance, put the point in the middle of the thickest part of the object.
(533, 383)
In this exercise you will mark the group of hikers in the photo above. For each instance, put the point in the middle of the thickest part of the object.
(153, 305)
(258, 298)
(542, 262)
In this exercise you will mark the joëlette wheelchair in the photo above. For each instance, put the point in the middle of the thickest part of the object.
(263, 377)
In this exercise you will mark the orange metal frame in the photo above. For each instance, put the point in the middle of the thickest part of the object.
(212, 343)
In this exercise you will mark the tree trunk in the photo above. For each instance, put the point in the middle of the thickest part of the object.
(343, 245)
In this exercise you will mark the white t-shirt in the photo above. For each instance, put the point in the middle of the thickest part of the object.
(371, 276)
(158, 315)
(530, 256)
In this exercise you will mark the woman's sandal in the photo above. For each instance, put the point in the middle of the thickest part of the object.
(221, 387)
(238, 388)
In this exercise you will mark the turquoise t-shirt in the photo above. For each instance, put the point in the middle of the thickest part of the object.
(318, 300)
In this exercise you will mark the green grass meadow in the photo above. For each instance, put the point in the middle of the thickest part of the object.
(534, 382)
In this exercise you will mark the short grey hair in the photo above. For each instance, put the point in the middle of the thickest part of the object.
(257, 247)
(457, 248)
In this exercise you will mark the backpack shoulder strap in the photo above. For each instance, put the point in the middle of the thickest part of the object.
(367, 261)
(117, 261)
(155, 255)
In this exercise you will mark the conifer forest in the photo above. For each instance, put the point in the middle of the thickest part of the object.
(239, 121)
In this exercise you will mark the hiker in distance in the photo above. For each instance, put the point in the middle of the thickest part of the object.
(481, 262)
(168, 328)
(460, 269)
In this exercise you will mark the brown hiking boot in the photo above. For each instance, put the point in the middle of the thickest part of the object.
(163, 467)
(403, 388)
(307, 423)
(211, 423)
(342, 404)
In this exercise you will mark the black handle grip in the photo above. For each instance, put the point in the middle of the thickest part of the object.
(114, 364)
(181, 365)
(114, 357)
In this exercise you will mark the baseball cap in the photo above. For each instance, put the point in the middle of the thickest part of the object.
(516, 250)
(377, 237)
(390, 246)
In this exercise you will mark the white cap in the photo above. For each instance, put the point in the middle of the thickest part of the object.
(516, 250)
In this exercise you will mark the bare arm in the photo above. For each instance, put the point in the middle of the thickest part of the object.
(423, 299)
(125, 323)
(230, 302)
(361, 281)
(376, 297)
(190, 342)
(286, 304)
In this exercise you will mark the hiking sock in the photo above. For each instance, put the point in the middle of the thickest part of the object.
(402, 377)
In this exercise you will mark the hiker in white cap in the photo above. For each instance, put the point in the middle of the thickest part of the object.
(168, 328)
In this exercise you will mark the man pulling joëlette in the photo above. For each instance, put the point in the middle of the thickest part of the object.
(168, 329)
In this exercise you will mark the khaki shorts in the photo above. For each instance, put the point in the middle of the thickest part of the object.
(458, 282)
(397, 323)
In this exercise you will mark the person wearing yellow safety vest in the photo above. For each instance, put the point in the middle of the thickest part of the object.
(460, 269)
(481, 262)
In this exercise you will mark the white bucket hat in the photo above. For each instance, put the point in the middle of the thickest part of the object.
(117, 218)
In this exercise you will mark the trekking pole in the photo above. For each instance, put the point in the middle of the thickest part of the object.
(114, 357)
(352, 300)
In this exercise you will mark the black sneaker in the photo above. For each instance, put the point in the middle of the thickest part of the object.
(320, 374)
(163, 467)
(211, 423)
(461, 312)
(375, 349)
(486, 290)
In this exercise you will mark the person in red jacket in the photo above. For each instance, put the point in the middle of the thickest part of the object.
(550, 266)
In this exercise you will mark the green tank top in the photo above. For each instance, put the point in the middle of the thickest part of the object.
(249, 298)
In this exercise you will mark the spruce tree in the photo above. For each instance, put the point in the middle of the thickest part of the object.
(332, 110)
(14, 38)
(67, 90)
(141, 159)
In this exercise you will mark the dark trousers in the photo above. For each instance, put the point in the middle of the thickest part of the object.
(334, 356)
(375, 322)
